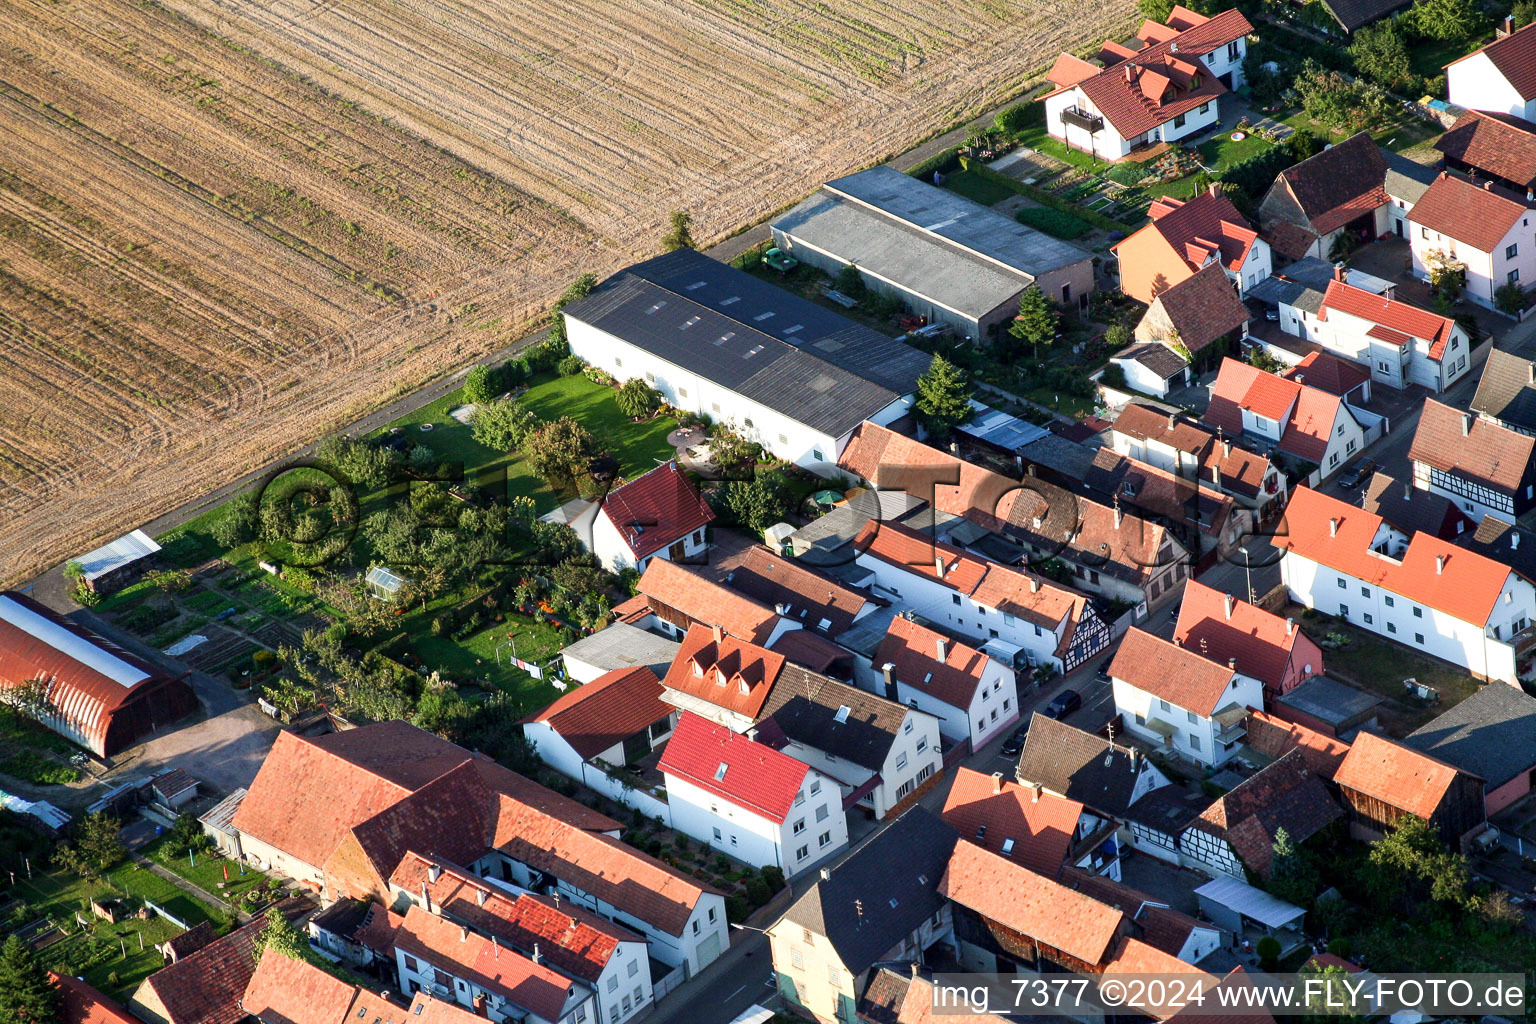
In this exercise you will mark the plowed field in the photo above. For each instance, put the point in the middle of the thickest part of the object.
(228, 225)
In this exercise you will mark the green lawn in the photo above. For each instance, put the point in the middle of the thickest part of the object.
(1381, 666)
(475, 658)
(1040, 140)
(1220, 152)
(97, 952)
(206, 870)
(977, 188)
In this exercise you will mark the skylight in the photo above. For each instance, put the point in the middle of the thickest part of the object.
(842, 713)
(695, 286)
(1007, 847)
(754, 350)
(763, 316)
(794, 329)
(730, 299)
(690, 322)
(658, 305)
(720, 772)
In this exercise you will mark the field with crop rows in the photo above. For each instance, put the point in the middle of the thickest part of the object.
(228, 225)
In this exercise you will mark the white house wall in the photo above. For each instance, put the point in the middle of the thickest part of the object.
(1474, 83)
(1194, 734)
(994, 705)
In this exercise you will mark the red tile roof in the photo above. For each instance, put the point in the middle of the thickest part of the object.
(1203, 308)
(295, 992)
(1236, 978)
(1515, 58)
(1393, 314)
(751, 775)
(1161, 926)
(1288, 239)
(730, 673)
(82, 1004)
(1497, 144)
(1201, 227)
(1141, 89)
(205, 987)
(1341, 183)
(1159, 492)
(1012, 591)
(1275, 737)
(812, 597)
(1284, 795)
(1038, 825)
(912, 651)
(1241, 471)
(1126, 548)
(426, 1010)
(1398, 776)
(1309, 414)
(694, 593)
(652, 511)
(1133, 956)
(466, 954)
(1168, 671)
(1460, 210)
(1069, 70)
(809, 649)
(1030, 903)
(1261, 641)
(1487, 453)
(606, 711)
(1328, 373)
(1466, 585)
(568, 938)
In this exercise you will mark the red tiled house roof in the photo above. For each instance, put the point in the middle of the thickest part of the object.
(1398, 776)
(1515, 58)
(1035, 512)
(1202, 309)
(809, 649)
(1029, 904)
(1495, 143)
(812, 597)
(1327, 190)
(606, 711)
(686, 596)
(727, 672)
(1217, 626)
(1159, 492)
(1328, 373)
(204, 987)
(82, 1004)
(1466, 445)
(1240, 471)
(1168, 671)
(291, 991)
(1309, 414)
(1275, 737)
(913, 651)
(1402, 317)
(1159, 925)
(568, 938)
(1283, 795)
(653, 510)
(1207, 225)
(1461, 211)
(466, 954)
(1037, 826)
(1432, 572)
(1137, 90)
(748, 774)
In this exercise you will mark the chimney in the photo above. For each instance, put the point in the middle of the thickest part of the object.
(1231, 603)
(425, 897)
(938, 565)
(1232, 664)
(781, 609)
(887, 670)
(434, 872)
(1035, 794)
(1214, 189)
(536, 958)
(1407, 492)
(1439, 564)
(915, 968)
(1509, 25)
(1338, 272)
(1514, 540)
(997, 782)
(1333, 527)
(717, 633)
(1226, 449)
(1530, 373)
(480, 897)
(1290, 628)
(1034, 584)
(1129, 76)
(752, 735)
(1466, 424)
(463, 933)
(943, 648)
(1119, 515)
(826, 874)
(1173, 420)
(1216, 476)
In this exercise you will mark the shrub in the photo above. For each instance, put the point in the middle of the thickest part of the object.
(1055, 223)
(1015, 119)
(1117, 337)
(774, 877)
(943, 162)
(570, 366)
(757, 891)
(1113, 376)
(1268, 949)
(849, 281)
(1509, 298)
(479, 385)
(736, 909)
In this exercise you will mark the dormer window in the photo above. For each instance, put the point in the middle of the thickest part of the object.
(720, 679)
(745, 689)
(698, 669)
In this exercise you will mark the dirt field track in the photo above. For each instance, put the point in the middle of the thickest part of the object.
(228, 225)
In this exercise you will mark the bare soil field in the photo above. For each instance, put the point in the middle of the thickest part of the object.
(229, 225)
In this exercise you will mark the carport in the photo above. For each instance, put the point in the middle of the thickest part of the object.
(1250, 913)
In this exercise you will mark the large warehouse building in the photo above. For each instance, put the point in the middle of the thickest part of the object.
(944, 256)
(94, 692)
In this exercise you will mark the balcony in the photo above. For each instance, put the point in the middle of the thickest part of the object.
(1082, 119)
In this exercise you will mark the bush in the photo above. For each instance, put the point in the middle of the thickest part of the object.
(736, 909)
(849, 281)
(1055, 223)
(1113, 376)
(1257, 173)
(774, 877)
(943, 162)
(1509, 298)
(757, 891)
(1015, 119)
(1268, 949)
(570, 366)
(479, 385)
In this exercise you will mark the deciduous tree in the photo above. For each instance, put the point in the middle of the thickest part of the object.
(479, 385)
(559, 452)
(680, 234)
(502, 425)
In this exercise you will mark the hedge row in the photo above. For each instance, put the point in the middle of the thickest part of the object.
(1054, 222)
(1257, 173)
(944, 161)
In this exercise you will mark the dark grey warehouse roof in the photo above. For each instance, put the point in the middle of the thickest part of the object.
(771, 347)
(926, 240)
(1491, 734)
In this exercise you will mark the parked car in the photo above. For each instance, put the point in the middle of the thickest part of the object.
(1359, 473)
(1063, 704)
(1015, 743)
